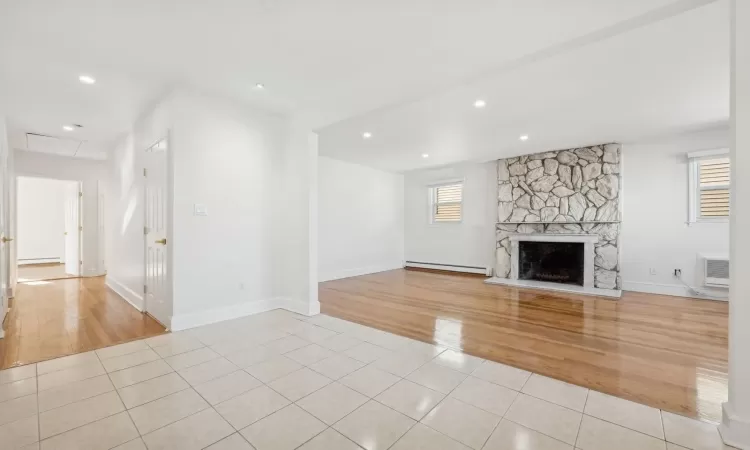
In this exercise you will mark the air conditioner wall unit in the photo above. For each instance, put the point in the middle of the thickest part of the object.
(716, 270)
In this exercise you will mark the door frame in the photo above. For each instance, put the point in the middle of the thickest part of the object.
(79, 230)
(13, 223)
(169, 292)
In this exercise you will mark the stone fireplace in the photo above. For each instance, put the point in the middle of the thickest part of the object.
(558, 221)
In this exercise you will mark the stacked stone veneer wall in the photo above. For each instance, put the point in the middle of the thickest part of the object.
(566, 191)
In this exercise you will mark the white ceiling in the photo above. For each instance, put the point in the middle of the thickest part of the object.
(418, 64)
(669, 76)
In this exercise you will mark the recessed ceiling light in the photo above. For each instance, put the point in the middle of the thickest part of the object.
(87, 79)
(480, 104)
(260, 86)
(68, 127)
(524, 137)
(425, 155)
(367, 135)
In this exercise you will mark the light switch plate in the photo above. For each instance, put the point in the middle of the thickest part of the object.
(200, 209)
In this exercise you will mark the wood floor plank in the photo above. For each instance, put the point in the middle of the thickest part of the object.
(663, 351)
(60, 317)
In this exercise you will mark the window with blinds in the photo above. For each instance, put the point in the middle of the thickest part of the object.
(713, 188)
(447, 202)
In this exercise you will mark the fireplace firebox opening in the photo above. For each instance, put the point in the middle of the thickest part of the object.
(558, 262)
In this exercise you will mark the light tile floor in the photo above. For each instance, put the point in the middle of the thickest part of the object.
(281, 381)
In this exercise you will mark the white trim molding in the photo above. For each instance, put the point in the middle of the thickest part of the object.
(197, 319)
(705, 153)
(588, 288)
(130, 296)
(694, 188)
(357, 271)
(734, 430)
(450, 267)
(31, 261)
(304, 307)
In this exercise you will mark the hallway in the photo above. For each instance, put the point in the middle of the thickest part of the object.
(49, 319)
(39, 272)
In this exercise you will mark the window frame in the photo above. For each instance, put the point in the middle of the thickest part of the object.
(694, 188)
(432, 201)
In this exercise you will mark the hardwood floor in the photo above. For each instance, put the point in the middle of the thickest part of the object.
(37, 272)
(667, 352)
(49, 319)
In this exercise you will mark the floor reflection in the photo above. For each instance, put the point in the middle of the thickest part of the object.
(667, 352)
(56, 318)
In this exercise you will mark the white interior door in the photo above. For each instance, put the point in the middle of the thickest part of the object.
(157, 294)
(4, 238)
(73, 229)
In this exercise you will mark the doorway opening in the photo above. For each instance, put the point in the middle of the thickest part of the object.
(49, 229)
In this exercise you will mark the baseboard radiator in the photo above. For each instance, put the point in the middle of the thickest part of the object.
(450, 267)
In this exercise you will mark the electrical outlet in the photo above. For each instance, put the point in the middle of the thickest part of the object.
(652, 271)
(678, 273)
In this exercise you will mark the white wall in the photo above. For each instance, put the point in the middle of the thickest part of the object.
(360, 220)
(41, 219)
(124, 212)
(42, 165)
(296, 213)
(655, 211)
(250, 253)
(469, 243)
(655, 234)
(227, 157)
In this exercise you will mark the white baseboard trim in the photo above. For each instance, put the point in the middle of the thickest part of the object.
(347, 273)
(28, 262)
(449, 267)
(303, 307)
(676, 290)
(734, 430)
(92, 273)
(125, 292)
(185, 321)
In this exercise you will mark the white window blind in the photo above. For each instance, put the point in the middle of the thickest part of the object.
(447, 203)
(713, 187)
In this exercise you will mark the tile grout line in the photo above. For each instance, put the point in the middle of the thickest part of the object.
(441, 401)
(128, 410)
(38, 412)
(459, 350)
(89, 423)
(663, 429)
(291, 402)
(372, 363)
(346, 415)
(583, 413)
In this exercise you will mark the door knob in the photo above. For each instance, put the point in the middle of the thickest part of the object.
(161, 241)
(6, 239)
